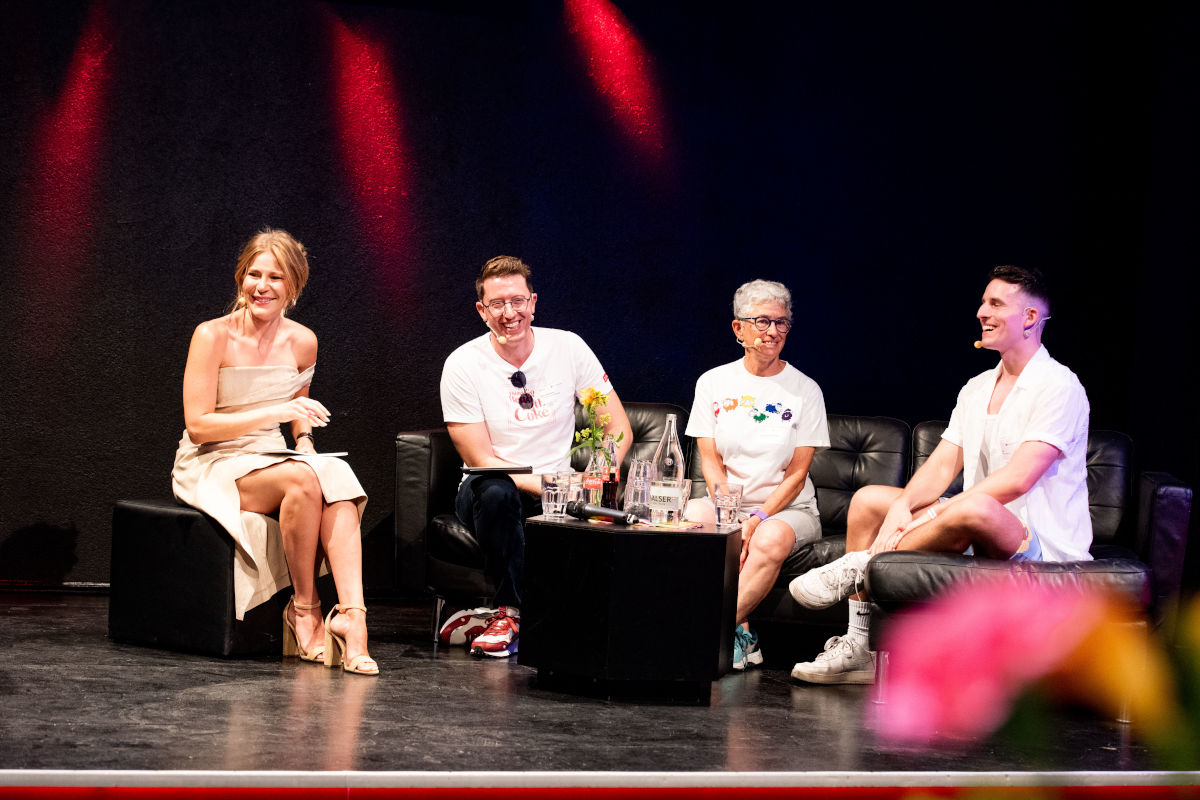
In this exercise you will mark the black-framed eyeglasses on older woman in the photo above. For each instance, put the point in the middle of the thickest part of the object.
(782, 324)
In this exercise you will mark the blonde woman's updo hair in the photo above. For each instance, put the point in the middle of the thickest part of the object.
(289, 254)
(751, 294)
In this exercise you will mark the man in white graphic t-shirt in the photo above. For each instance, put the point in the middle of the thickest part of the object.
(508, 399)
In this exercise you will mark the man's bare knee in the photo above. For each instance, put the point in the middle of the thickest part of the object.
(985, 523)
(873, 500)
(974, 512)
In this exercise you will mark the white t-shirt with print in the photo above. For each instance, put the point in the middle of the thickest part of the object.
(757, 423)
(476, 387)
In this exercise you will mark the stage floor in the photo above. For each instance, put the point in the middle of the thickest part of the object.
(71, 701)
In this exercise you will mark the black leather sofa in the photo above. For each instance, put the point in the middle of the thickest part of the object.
(1138, 542)
(1139, 547)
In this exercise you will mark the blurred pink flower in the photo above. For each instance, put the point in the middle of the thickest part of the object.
(956, 666)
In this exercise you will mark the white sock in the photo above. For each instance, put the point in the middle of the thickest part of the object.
(860, 623)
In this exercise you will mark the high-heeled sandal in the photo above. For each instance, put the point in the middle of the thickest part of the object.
(291, 642)
(335, 647)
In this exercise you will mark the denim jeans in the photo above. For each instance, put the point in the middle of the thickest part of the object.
(494, 510)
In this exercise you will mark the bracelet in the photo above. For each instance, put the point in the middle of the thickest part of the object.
(932, 514)
(762, 515)
(306, 435)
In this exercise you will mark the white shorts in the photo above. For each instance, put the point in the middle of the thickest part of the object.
(805, 524)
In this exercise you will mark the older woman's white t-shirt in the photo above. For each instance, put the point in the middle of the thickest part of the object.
(757, 423)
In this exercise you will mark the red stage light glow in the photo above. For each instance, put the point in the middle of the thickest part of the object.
(621, 69)
(368, 126)
(69, 140)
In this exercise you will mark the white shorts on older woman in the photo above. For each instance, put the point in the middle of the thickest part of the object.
(804, 522)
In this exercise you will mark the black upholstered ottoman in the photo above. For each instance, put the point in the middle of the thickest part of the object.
(171, 582)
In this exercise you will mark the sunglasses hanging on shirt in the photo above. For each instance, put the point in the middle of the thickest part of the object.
(518, 380)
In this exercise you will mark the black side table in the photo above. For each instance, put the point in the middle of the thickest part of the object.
(628, 612)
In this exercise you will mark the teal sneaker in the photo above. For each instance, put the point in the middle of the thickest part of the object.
(745, 648)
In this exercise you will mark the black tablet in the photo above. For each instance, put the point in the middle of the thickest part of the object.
(497, 470)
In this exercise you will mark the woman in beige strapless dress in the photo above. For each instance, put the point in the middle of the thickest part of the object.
(247, 372)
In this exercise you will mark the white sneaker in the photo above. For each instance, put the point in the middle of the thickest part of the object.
(824, 586)
(844, 661)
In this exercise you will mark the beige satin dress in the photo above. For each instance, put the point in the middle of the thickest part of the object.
(205, 477)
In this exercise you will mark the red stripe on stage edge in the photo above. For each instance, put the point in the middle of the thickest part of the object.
(606, 793)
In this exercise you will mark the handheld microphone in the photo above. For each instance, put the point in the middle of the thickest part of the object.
(582, 510)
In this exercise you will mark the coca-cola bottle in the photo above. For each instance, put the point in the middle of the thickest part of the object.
(593, 478)
(612, 475)
(602, 475)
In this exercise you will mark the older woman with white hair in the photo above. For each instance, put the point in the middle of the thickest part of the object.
(758, 421)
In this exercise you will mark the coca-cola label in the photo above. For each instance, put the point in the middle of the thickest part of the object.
(592, 482)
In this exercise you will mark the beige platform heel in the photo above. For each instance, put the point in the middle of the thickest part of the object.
(335, 647)
(291, 642)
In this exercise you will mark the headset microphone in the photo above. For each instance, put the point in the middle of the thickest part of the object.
(978, 344)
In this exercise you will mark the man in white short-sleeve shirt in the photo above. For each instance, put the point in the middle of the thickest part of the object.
(1019, 436)
(508, 399)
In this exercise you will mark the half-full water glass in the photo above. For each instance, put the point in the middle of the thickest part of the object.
(554, 501)
(727, 497)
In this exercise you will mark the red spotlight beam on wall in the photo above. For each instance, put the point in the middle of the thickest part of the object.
(622, 72)
(367, 113)
(65, 169)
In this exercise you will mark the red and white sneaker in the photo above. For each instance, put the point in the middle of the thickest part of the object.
(463, 626)
(500, 638)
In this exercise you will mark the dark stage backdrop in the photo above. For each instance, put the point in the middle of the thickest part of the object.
(644, 157)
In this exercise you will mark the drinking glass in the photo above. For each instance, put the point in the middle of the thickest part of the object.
(637, 487)
(573, 483)
(685, 495)
(727, 497)
(554, 501)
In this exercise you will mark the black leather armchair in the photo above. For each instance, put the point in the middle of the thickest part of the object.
(1137, 550)
(435, 552)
